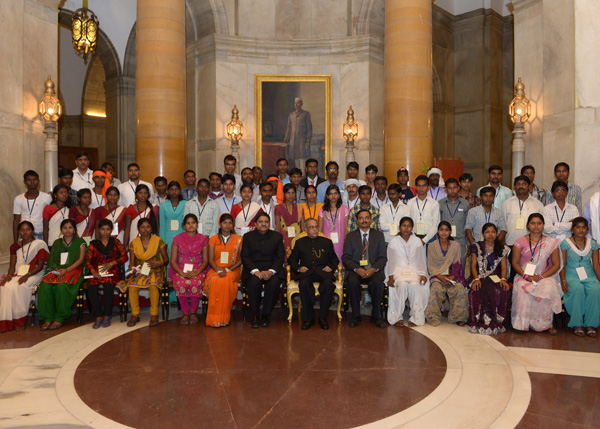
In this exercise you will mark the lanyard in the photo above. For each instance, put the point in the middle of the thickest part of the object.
(378, 203)
(225, 242)
(228, 209)
(419, 209)
(67, 245)
(32, 206)
(521, 204)
(145, 247)
(365, 248)
(25, 258)
(264, 208)
(394, 213)
(334, 219)
(112, 213)
(87, 218)
(200, 212)
(353, 204)
(101, 199)
(174, 207)
(456, 209)
(86, 175)
(442, 249)
(487, 218)
(139, 213)
(563, 214)
(487, 256)
(246, 214)
(534, 249)
(436, 194)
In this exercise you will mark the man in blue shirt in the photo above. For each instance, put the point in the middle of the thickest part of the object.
(332, 169)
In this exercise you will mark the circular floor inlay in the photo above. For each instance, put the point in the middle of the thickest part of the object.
(278, 376)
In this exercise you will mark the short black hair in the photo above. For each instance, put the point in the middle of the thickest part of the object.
(559, 184)
(452, 180)
(521, 178)
(364, 188)
(256, 167)
(332, 163)
(353, 164)
(203, 180)
(133, 164)
(219, 175)
(311, 160)
(62, 172)
(246, 168)
(371, 167)
(495, 167)
(33, 173)
(189, 171)
(362, 211)
(229, 158)
(105, 165)
(160, 179)
(421, 177)
(381, 178)
(562, 164)
(281, 159)
(466, 176)
(105, 222)
(82, 192)
(395, 187)
(487, 190)
(227, 177)
(82, 154)
(264, 184)
(527, 167)
(295, 171)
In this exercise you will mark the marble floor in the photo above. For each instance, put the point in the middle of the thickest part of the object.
(281, 376)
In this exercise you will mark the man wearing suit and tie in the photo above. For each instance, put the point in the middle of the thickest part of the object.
(364, 258)
(313, 259)
(262, 258)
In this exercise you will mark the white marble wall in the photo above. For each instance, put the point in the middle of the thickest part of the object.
(556, 55)
(225, 67)
(24, 69)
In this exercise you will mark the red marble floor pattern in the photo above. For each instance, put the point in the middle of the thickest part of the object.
(240, 377)
(565, 340)
(562, 401)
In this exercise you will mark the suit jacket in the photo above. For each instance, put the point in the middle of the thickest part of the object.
(315, 254)
(377, 251)
(304, 182)
(263, 252)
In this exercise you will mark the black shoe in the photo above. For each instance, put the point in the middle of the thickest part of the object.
(354, 323)
(307, 325)
(255, 323)
(323, 324)
(380, 323)
(266, 321)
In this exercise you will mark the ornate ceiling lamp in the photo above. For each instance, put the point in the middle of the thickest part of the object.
(84, 26)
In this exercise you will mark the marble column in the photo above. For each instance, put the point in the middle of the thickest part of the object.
(160, 144)
(408, 134)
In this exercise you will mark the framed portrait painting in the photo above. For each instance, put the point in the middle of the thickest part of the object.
(293, 120)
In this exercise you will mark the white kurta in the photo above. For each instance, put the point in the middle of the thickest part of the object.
(513, 209)
(557, 222)
(406, 262)
(388, 215)
(426, 212)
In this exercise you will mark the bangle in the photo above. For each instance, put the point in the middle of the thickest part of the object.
(503, 279)
(476, 278)
(541, 276)
(227, 270)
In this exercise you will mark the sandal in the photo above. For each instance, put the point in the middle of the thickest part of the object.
(45, 326)
(591, 332)
(185, 320)
(553, 332)
(400, 324)
(55, 326)
(193, 319)
(153, 321)
(579, 331)
(133, 321)
(460, 323)
(97, 323)
(106, 321)
(20, 328)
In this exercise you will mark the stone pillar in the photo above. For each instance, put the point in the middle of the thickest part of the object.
(160, 145)
(408, 134)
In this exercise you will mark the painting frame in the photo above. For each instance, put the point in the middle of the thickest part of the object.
(260, 79)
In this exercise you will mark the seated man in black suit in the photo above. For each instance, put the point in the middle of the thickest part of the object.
(314, 260)
(262, 258)
(364, 258)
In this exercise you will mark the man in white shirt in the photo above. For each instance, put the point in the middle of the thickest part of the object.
(127, 189)
(82, 175)
(350, 197)
(558, 215)
(229, 164)
(424, 210)
(266, 202)
(381, 198)
(30, 206)
(561, 172)
(391, 213)
(517, 209)
(436, 184)
(227, 201)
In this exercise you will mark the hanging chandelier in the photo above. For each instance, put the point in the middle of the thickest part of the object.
(84, 24)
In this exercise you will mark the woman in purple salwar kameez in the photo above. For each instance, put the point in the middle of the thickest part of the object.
(489, 297)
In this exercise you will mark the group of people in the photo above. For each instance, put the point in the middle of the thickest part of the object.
(428, 244)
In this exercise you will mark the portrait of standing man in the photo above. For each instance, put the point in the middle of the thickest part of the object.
(298, 135)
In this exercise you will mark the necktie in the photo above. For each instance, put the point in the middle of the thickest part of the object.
(364, 240)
